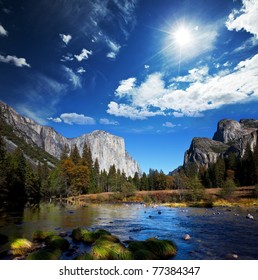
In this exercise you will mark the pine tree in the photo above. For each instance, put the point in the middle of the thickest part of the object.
(136, 180)
(65, 153)
(144, 182)
(75, 155)
(32, 185)
(112, 179)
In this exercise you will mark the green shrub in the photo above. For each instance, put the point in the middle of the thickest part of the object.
(228, 189)
(127, 189)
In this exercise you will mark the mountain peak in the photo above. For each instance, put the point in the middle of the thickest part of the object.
(107, 148)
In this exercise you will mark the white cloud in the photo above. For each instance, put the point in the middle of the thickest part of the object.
(195, 75)
(108, 122)
(19, 62)
(57, 120)
(204, 92)
(146, 66)
(74, 118)
(245, 18)
(66, 38)
(67, 57)
(114, 47)
(131, 112)
(152, 88)
(73, 78)
(168, 124)
(84, 55)
(125, 87)
(81, 70)
(3, 32)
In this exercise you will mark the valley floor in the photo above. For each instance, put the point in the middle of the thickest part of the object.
(243, 196)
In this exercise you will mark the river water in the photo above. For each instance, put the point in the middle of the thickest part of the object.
(216, 233)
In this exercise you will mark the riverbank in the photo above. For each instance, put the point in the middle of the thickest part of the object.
(243, 197)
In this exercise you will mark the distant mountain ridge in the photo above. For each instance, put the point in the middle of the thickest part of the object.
(107, 148)
(231, 137)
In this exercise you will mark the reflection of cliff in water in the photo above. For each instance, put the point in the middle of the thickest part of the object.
(216, 233)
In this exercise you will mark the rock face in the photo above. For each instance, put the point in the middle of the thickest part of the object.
(107, 148)
(231, 137)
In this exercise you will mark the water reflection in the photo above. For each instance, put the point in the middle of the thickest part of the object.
(215, 233)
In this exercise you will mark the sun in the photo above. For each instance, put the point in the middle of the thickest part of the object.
(182, 36)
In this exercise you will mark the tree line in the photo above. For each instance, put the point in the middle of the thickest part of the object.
(21, 180)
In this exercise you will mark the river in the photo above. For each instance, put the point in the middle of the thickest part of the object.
(216, 233)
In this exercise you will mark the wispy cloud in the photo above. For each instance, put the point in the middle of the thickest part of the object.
(67, 57)
(168, 124)
(41, 94)
(66, 38)
(108, 122)
(57, 120)
(245, 18)
(73, 118)
(72, 77)
(81, 70)
(114, 49)
(3, 31)
(83, 55)
(12, 59)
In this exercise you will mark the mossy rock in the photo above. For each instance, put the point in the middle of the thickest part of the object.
(20, 246)
(86, 236)
(3, 239)
(41, 235)
(104, 249)
(144, 254)
(164, 249)
(109, 238)
(89, 237)
(57, 242)
(85, 256)
(137, 245)
(77, 234)
(45, 254)
(101, 232)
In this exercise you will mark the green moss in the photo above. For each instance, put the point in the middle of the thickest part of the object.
(45, 254)
(108, 248)
(136, 245)
(152, 248)
(85, 256)
(41, 235)
(86, 236)
(77, 234)
(162, 248)
(57, 242)
(20, 246)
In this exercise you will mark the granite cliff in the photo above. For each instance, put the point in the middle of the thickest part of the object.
(231, 137)
(107, 148)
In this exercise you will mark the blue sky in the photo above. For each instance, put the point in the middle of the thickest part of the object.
(157, 73)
